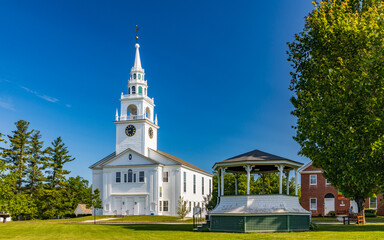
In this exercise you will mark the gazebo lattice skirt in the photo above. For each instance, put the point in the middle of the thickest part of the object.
(259, 213)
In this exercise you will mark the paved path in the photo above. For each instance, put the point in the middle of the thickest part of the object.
(91, 221)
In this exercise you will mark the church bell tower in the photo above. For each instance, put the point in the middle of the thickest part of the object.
(136, 125)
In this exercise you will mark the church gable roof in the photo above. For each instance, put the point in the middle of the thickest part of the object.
(180, 161)
(113, 157)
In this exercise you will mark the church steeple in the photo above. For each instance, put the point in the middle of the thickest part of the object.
(137, 64)
(136, 126)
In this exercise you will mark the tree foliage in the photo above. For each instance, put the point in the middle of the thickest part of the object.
(338, 84)
(25, 191)
(182, 209)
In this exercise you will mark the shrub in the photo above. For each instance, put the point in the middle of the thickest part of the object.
(370, 212)
(331, 213)
(319, 215)
(313, 226)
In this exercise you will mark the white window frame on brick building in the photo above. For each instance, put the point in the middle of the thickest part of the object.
(310, 204)
(313, 177)
(326, 182)
(373, 203)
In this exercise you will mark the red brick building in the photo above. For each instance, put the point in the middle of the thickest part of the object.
(319, 197)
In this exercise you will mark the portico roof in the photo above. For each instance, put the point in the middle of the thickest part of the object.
(261, 162)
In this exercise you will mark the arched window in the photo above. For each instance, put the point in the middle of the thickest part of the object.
(129, 90)
(133, 90)
(329, 195)
(145, 91)
(130, 175)
(140, 90)
(148, 113)
(139, 76)
(134, 76)
(131, 111)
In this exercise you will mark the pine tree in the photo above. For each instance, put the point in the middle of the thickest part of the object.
(58, 156)
(34, 171)
(19, 152)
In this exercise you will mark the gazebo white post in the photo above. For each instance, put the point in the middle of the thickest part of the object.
(248, 168)
(236, 176)
(296, 181)
(280, 168)
(287, 180)
(222, 181)
(218, 183)
(263, 178)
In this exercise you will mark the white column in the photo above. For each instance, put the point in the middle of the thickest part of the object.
(236, 176)
(287, 181)
(218, 183)
(222, 181)
(296, 181)
(263, 178)
(248, 169)
(280, 168)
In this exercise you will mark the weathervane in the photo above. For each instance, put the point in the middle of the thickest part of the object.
(137, 37)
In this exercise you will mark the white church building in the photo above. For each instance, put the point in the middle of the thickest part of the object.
(139, 179)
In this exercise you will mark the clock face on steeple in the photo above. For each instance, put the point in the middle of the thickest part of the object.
(150, 133)
(130, 130)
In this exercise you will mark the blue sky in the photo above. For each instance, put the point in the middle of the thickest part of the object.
(217, 70)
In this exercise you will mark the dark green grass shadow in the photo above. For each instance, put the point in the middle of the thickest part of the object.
(351, 228)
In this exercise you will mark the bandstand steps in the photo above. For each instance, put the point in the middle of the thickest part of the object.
(202, 227)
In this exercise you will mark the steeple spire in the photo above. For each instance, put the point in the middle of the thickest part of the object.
(137, 64)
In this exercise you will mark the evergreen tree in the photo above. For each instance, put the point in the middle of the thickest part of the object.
(19, 152)
(34, 171)
(58, 156)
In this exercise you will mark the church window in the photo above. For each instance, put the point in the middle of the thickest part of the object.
(373, 203)
(313, 179)
(165, 176)
(148, 113)
(129, 90)
(161, 192)
(145, 91)
(133, 90)
(118, 177)
(130, 175)
(165, 206)
(160, 206)
(313, 204)
(139, 75)
(202, 185)
(210, 186)
(140, 90)
(125, 177)
(194, 183)
(141, 176)
(134, 76)
(185, 183)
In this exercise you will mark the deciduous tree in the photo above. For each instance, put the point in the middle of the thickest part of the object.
(338, 85)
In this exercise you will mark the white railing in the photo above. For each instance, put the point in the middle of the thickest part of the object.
(136, 95)
(132, 117)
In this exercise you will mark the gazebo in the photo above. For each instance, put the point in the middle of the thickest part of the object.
(258, 213)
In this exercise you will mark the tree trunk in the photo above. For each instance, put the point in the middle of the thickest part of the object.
(360, 204)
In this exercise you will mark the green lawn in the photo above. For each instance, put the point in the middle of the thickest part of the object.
(332, 219)
(57, 229)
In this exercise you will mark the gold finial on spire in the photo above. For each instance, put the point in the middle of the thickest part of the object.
(137, 37)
